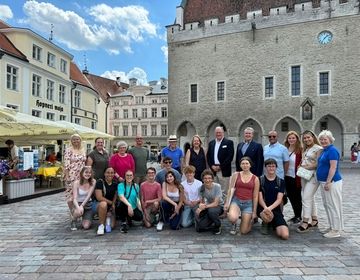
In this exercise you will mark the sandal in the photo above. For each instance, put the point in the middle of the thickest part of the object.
(314, 223)
(302, 229)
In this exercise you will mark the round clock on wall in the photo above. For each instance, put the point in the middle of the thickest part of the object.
(325, 37)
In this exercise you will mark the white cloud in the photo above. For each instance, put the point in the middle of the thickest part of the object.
(165, 51)
(136, 72)
(5, 12)
(111, 28)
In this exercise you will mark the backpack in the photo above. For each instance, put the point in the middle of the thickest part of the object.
(278, 183)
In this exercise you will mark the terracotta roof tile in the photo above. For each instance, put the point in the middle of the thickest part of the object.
(77, 76)
(8, 47)
(3, 24)
(106, 86)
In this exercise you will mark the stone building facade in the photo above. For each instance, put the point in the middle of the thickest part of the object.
(143, 110)
(283, 65)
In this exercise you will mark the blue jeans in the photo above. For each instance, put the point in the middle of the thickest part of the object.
(245, 206)
(187, 216)
(166, 210)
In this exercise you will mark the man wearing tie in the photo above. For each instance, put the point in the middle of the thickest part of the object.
(219, 157)
(252, 150)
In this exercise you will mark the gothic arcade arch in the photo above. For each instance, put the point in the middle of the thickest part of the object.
(185, 132)
(258, 131)
(336, 127)
(286, 124)
(211, 129)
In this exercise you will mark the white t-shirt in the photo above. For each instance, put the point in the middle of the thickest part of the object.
(192, 189)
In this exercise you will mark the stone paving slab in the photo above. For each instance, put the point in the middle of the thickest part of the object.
(36, 243)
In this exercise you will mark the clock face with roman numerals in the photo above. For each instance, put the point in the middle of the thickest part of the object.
(325, 37)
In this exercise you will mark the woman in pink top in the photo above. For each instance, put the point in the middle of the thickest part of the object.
(122, 161)
(242, 197)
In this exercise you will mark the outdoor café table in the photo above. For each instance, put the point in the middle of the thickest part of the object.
(47, 171)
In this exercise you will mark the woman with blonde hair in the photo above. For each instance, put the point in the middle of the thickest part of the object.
(292, 181)
(74, 161)
(196, 156)
(311, 152)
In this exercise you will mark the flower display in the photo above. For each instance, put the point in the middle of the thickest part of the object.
(19, 174)
(4, 168)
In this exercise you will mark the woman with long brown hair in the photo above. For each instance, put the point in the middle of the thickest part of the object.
(172, 203)
(292, 182)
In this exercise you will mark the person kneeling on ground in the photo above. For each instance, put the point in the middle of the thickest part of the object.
(82, 203)
(192, 199)
(128, 208)
(211, 205)
(271, 193)
(243, 197)
(150, 198)
(104, 203)
(172, 203)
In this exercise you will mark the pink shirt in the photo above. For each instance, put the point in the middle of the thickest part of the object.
(122, 164)
(150, 191)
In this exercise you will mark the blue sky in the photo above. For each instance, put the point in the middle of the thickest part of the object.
(119, 38)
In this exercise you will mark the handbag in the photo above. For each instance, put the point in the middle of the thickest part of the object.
(305, 173)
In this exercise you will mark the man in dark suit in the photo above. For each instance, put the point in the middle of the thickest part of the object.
(220, 154)
(251, 149)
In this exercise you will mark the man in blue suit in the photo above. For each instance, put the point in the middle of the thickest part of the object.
(251, 149)
(219, 157)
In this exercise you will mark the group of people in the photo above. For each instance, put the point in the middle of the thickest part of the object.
(200, 188)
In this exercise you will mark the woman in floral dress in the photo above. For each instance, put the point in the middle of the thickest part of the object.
(74, 161)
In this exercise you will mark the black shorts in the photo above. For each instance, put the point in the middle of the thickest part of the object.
(278, 219)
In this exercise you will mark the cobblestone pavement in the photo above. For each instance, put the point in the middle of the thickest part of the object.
(36, 243)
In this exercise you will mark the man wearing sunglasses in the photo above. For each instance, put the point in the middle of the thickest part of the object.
(160, 176)
(278, 152)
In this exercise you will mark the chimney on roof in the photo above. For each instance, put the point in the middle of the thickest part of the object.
(118, 81)
(132, 82)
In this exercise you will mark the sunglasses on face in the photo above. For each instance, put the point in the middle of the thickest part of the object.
(272, 136)
(167, 162)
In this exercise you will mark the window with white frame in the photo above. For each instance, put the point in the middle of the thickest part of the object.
(126, 114)
(134, 130)
(116, 130)
(12, 77)
(62, 118)
(116, 114)
(193, 93)
(324, 82)
(144, 130)
(36, 85)
(139, 99)
(164, 100)
(154, 101)
(125, 130)
(51, 60)
(153, 130)
(62, 94)
(77, 98)
(295, 80)
(93, 125)
(163, 130)
(164, 112)
(36, 52)
(154, 112)
(220, 91)
(49, 90)
(36, 113)
(77, 120)
(134, 113)
(63, 66)
(144, 113)
(50, 116)
(269, 87)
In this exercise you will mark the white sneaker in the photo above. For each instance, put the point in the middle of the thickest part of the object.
(233, 229)
(332, 234)
(101, 229)
(159, 226)
(73, 225)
